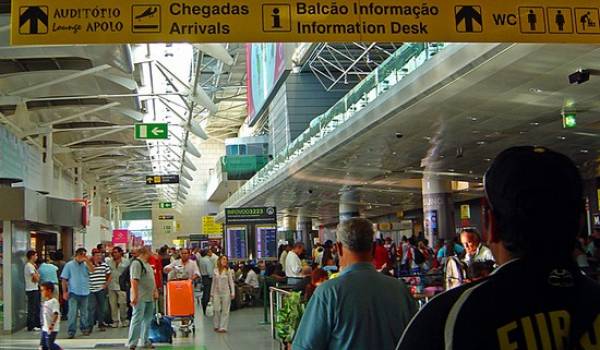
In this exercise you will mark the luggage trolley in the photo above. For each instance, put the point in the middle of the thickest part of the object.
(180, 305)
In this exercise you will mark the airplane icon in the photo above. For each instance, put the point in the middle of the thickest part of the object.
(149, 12)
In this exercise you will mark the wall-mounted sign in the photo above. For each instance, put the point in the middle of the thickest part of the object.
(465, 211)
(260, 215)
(210, 227)
(151, 131)
(50, 22)
(166, 217)
(162, 179)
(165, 205)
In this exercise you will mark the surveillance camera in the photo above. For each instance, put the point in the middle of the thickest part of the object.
(310, 191)
(579, 77)
(399, 135)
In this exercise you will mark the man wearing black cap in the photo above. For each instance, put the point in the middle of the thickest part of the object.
(537, 299)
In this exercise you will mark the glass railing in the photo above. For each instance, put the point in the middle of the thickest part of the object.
(401, 63)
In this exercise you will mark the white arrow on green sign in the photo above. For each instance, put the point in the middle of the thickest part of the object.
(152, 131)
(165, 205)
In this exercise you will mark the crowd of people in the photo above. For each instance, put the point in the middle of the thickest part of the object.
(121, 289)
(354, 288)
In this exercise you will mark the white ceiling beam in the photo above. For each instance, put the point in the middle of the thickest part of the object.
(217, 51)
(93, 137)
(60, 80)
(82, 114)
(125, 82)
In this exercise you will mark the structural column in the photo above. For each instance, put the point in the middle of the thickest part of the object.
(303, 227)
(349, 203)
(48, 164)
(438, 209)
(288, 227)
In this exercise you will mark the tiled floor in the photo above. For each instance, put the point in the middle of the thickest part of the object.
(245, 333)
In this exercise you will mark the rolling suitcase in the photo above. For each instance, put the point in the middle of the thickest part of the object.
(180, 298)
(161, 330)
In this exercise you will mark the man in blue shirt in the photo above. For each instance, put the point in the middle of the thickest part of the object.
(361, 308)
(76, 290)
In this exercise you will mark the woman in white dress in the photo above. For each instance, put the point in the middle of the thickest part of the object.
(221, 294)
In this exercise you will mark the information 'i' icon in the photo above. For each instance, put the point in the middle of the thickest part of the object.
(276, 18)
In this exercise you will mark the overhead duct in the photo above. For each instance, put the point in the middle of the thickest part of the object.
(217, 51)
(191, 149)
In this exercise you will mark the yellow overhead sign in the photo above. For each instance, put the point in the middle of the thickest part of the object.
(120, 21)
(210, 227)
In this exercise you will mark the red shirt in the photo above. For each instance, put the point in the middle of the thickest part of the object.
(156, 263)
(381, 257)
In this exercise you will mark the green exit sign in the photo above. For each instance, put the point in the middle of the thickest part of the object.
(165, 205)
(152, 131)
(569, 120)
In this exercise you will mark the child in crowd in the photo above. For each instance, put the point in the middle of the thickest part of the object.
(50, 318)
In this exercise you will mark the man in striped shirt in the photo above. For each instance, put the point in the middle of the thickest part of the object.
(99, 280)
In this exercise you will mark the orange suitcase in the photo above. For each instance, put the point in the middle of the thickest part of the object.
(180, 298)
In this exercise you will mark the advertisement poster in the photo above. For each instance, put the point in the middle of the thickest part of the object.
(120, 237)
(265, 64)
(431, 225)
(237, 243)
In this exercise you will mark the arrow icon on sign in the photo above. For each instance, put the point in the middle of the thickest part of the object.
(157, 131)
(468, 14)
(33, 15)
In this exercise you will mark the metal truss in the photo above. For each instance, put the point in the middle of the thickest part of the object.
(337, 65)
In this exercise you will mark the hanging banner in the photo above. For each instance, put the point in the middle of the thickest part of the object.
(47, 22)
(120, 237)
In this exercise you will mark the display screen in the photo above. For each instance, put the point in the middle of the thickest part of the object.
(266, 242)
(265, 64)
(237, 242)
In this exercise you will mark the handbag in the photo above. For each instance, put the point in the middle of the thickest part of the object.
(210, 310)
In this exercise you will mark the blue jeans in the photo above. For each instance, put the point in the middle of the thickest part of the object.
(97, 311)
(139, 327)
(48, 341)
(78, 303)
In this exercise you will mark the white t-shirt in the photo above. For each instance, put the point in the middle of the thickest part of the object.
(29, 271)
(252, 279)
(293, 265)
(49, 308)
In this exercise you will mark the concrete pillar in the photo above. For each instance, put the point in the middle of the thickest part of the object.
(48, 165)
(303, 227)
(288, 228)
(95, 199)
(349, 203)
(438, 209)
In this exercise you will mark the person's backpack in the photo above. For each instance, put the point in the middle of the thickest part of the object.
(418, 257)
(125, 278)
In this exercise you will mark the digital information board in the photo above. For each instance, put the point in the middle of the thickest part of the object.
(237, 242)
(266, 242)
